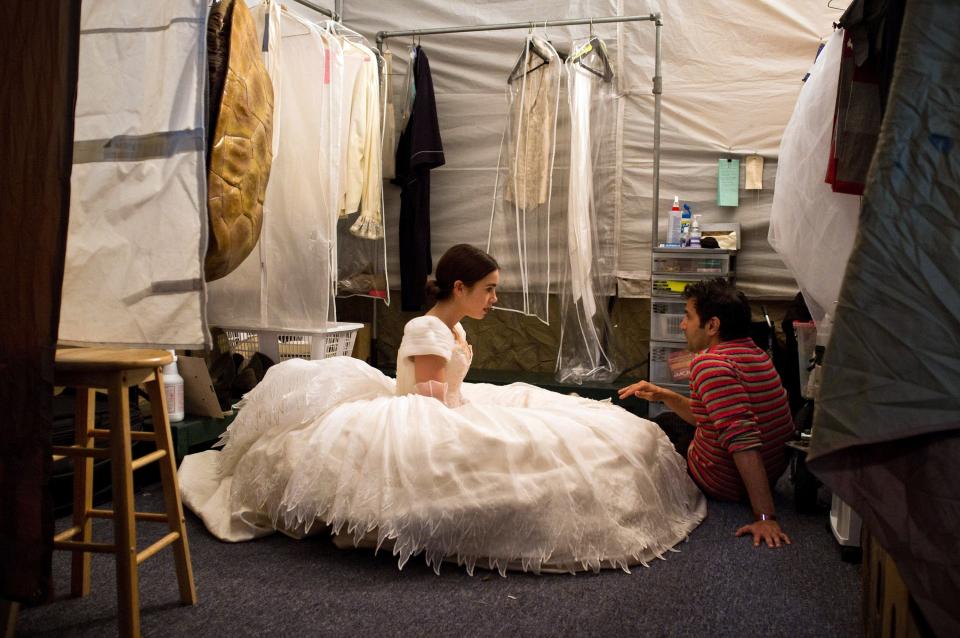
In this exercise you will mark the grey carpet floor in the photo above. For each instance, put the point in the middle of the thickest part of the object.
(716, 585)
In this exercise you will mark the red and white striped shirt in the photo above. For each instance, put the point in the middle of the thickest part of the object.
(739, 403)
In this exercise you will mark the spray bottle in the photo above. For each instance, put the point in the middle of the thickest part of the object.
(673, 230)
(685, 219)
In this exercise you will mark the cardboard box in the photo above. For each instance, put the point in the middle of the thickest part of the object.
(361, 346)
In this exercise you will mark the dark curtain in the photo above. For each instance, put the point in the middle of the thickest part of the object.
(39, 80)
(886, 435)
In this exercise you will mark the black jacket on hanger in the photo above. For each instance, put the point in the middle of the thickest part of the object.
(419, 150)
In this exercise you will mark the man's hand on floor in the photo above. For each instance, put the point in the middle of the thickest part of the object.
(768, 531)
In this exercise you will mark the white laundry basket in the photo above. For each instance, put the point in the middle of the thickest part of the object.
(279, 345)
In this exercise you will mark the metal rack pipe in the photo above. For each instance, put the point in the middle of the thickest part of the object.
(383, 35)
(657, 94)
(330, 13)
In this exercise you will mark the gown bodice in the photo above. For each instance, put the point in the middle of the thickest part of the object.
(429, 335)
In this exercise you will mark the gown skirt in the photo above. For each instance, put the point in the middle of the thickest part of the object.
(515, 478)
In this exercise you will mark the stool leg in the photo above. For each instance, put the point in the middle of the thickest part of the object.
(171, 488)
(124, 522)
(8, 618)
(82, 491)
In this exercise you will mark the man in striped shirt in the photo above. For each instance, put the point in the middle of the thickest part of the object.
(737, 404)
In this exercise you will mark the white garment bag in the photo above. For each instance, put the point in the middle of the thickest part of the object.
(138, 217)
(267, 18)
(286, 283)
(519, 236)
(590, 264)
(811, 227)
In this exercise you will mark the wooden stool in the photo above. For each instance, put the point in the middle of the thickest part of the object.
(116, 370)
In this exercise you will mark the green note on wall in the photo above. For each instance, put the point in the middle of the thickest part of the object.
(728, 182)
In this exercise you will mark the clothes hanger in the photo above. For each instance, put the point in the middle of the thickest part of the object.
(347, 33)
(594, 45)
(561, 55)
(519, 69)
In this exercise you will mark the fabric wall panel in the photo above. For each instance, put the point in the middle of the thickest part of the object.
(471, 126)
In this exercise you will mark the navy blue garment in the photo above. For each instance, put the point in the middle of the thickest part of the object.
(419, 150)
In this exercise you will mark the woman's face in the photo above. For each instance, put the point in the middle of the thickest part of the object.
(477, 300)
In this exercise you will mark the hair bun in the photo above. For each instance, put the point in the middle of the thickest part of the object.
(431, 290)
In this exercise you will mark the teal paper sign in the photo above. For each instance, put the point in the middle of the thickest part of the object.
(728, 182)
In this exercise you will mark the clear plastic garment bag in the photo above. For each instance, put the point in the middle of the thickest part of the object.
(288, 281)
(361, 264)
(520, 222)
(589, 263)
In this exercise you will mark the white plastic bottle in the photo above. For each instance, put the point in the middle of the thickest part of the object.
(673, 230)
(695, 232)
(173, 387)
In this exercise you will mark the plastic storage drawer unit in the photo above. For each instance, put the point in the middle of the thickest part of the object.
(687, 262)
(669, 363)
(665, 318)
(672, 285)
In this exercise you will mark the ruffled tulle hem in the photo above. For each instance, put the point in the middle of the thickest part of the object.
(447, 537)
(372, 540)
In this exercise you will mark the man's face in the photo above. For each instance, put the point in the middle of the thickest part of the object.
(697, 335)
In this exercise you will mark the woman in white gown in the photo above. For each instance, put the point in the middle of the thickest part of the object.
(502, 476)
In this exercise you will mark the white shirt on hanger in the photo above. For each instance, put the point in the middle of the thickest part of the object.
(361, 156)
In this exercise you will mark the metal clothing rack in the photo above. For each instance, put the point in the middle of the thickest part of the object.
(656, 18)
(336, 13)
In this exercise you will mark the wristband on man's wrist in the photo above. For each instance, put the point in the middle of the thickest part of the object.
(766, 517)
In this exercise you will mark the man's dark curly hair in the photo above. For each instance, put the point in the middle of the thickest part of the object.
(718, 298)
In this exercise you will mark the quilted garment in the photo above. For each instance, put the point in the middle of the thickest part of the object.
(240, 152)
(218, 54)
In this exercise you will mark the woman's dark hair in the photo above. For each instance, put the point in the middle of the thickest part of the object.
(462, 262)
(718, 298)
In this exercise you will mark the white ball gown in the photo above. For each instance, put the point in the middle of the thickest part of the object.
(507, 477)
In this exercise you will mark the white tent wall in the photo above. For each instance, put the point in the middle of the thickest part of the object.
(731, 70)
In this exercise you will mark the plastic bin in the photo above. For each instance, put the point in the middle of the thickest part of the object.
(669, 363)
(665, 318)
(691, 261)
(672, 285)
(844, 523)
(335, 341)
